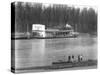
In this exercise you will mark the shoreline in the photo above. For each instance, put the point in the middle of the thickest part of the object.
(18, 37)
(70, 66)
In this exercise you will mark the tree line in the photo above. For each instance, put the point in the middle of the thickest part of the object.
(54, 16)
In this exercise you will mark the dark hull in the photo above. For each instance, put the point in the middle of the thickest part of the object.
(43, 37)
(61, 65)
(76, 64)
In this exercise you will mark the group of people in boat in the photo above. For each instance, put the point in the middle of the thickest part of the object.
(72, 58)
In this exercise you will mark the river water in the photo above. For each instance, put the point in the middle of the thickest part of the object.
(42, 52)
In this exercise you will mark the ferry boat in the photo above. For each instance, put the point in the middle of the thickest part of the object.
(65, 32)
(40, 32)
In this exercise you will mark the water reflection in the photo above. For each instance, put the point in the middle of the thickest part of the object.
(40, 52)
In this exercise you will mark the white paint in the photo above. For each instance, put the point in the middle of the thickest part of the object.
(67, 25)
(39, 28)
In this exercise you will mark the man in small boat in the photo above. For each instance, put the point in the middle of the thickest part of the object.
(69, 59)
(73, 58)
(80, 58)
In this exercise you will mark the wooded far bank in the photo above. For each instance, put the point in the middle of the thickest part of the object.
(53, 16)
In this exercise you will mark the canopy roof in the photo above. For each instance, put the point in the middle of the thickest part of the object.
(68, 26)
